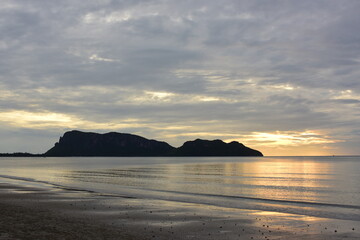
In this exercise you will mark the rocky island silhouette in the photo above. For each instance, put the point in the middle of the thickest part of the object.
(78, 143)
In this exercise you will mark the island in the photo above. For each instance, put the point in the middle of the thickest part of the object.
(113, 144)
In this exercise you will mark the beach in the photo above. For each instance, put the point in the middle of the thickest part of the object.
(38, 213)
(30, 213)
(180, 198)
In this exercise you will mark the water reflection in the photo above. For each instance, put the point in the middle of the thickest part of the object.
(281, 179)
(246, 183)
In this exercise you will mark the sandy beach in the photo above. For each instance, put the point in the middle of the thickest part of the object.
(38, 213)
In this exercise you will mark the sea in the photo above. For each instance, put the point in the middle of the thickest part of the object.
(325, 187)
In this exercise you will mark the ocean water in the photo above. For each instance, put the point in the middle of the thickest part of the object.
(326, 187)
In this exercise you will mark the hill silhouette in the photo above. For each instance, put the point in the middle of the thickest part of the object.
(77, 143)
(201, 147)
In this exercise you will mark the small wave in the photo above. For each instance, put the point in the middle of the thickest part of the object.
(39, 182)
(262, 199)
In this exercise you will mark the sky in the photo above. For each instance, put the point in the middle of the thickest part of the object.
(282, 77)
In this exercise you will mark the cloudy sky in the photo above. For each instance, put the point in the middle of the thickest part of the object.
(279, 76)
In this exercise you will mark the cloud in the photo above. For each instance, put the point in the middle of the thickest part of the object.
(181, 69)
(95, 57)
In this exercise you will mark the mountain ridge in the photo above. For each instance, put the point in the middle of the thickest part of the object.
(78, 143)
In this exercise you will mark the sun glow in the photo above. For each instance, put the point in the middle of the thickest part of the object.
(287, 138)
(25, 118)
(283, 87)
(40, 120)
(289, 142)
(159, 95)
(209, 99)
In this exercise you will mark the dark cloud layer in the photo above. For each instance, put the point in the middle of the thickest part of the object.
(175, 70)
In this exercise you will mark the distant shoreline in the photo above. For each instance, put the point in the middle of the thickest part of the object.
(21, 154)
(45, 156)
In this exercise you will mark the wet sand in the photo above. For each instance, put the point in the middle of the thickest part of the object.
(45, 213)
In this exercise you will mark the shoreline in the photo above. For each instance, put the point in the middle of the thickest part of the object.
(36, 213)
